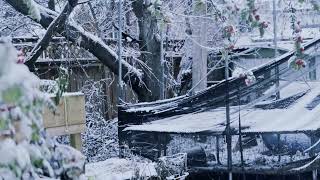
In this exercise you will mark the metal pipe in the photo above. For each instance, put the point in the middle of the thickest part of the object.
(120, 84)
(275, 38)
(217, 150)
(314, 174)
(228, 132)
(240, 131)
(162, 85)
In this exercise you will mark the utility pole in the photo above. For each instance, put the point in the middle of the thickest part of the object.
(275, 39)
(162, 85)
(120, 83)
(228, 130)
(199, 52)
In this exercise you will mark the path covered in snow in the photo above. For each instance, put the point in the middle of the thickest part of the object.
(119, 169)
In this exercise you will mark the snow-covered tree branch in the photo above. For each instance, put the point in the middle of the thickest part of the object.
(56, 26)
(90, 42)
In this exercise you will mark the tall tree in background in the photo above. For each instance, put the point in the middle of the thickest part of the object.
(145, 82)
(150, 44)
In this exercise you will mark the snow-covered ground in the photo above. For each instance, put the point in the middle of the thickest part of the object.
(119, 169)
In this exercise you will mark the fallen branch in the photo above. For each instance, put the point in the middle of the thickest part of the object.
(92, 43)
(56, 26)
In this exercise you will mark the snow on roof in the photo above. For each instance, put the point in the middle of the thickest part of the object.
(267, 42)
(308, 17)
(248, 42)
(296, 118)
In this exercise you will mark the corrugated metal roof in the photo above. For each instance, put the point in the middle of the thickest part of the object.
(295, 118)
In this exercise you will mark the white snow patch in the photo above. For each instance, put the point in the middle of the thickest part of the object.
(119, 169)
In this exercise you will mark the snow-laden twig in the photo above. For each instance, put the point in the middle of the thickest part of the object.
(307, 165)
(311, 147)
(56, 25)
(211, 70)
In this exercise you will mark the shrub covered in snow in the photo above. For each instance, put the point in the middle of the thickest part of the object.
(100, 139)
(101, 136)
(25, 151)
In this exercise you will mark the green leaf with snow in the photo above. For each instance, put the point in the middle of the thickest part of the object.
(35, 133)
(254, 24)
(244, 15)
(63, 82)
(37, 163)
(3, 124)
(315, 5)
(261, 31)
(91, 178)
(14, 168)
(11, 95)
(199, 5)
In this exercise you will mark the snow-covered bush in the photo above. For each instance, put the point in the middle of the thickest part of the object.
(48, 86)
(25, 150)
(173, 167)
(101, 135)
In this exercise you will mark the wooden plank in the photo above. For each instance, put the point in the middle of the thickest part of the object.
(75, 141)
(70, 111)
(54, 120)
(284, 169)
(315, 174)
(63, 130)
(76, 109)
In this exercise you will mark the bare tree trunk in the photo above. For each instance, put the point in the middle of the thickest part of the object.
(150, 43)
(51, 5)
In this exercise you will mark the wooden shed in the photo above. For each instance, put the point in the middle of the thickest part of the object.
(174, 125)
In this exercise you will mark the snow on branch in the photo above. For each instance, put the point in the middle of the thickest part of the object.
(33, 10)
(56, 26)
(98, 42)
(90, 42)
(307, 165)
(28, 8)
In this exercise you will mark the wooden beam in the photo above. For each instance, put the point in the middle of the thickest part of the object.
(315, 174)
(284, 169)
(75, 141)
(58, 131)
(217, 150)
(70, 111)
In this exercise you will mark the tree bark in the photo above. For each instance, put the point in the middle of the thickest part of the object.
(94, 45)
(56, 26)
(150, 44)
(51, 5)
